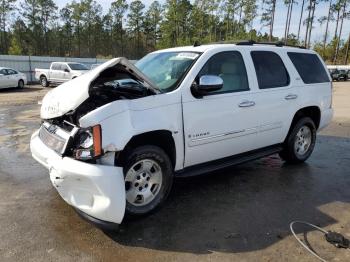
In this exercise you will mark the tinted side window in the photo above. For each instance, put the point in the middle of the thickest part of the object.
(309, 67)
(3, 72)
(230, 67)
(270, 69)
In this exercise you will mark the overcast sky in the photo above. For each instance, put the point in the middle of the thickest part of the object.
(280, 19)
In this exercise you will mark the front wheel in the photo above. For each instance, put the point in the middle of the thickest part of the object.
(300, 142)
(148, 179)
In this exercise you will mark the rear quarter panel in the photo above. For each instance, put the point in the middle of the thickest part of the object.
(317, 94)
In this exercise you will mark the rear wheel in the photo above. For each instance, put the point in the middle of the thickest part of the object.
(20, 84)
(43, 81)
(300, 142)
(148, 179)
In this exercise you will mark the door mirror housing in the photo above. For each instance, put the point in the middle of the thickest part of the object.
(66, 70)
(207, 84)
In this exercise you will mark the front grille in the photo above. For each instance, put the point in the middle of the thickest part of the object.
(52, 140)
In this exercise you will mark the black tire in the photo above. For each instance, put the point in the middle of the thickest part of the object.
(289, 153)
(44, 82)
(20, 84)
(157, 155)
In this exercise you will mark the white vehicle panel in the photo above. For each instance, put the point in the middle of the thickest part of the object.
(4, 81)
(97, 190)
(203, 129)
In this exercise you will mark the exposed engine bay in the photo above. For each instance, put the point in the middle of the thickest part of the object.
(112, 84)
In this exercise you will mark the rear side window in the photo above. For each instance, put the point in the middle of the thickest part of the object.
(3, 72)
(56, 67)
(309, 67)
(270, 70)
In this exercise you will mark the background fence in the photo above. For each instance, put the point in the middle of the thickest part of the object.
(27, 64)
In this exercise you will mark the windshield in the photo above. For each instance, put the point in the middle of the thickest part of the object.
(166, 69)
(75, 66)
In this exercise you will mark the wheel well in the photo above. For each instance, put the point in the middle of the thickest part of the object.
(160, 138)
(311, 111)
(42, 76)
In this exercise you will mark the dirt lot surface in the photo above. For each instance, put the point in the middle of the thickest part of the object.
(238, 214)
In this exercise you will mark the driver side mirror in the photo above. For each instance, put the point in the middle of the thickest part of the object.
(66, 70)
(207, 84)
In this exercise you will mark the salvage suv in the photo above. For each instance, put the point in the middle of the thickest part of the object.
(114, 138)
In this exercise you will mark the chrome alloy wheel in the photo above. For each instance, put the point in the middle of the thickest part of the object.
(303, 140)
(143, 182)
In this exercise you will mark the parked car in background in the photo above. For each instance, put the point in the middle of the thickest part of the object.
(343, 75)
(59, 72)
(334, 74)
(94, 66)
(12, 78)
(115, 143)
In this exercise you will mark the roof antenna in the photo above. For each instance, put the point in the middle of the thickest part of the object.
(196, 43)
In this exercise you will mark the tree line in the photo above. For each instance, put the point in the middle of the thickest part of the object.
(84, 29)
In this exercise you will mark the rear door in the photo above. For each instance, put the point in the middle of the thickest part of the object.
(276, 97)
(224, 122)
(13, 77)
(4, 79)
(56, 72)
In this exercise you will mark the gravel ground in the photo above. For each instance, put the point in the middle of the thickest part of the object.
(238, 214)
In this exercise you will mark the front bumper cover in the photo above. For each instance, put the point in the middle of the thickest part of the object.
(96, 190)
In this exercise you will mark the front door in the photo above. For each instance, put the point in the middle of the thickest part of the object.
(222, 123)
(65, 73)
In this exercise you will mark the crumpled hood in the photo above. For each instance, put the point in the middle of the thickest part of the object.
(69, 95)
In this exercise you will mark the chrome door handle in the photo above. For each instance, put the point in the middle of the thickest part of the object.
(291, 96)
(246, 103)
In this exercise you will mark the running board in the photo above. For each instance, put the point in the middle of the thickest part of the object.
(228, 161)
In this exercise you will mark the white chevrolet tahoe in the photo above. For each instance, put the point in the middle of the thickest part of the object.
(59, 72)
(114, 138)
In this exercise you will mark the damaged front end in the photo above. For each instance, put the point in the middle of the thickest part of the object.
(63, 107)
(73, 152)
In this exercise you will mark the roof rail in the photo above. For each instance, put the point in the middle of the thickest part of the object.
(279, 44)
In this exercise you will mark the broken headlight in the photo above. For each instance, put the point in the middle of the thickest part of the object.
(89, 143)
